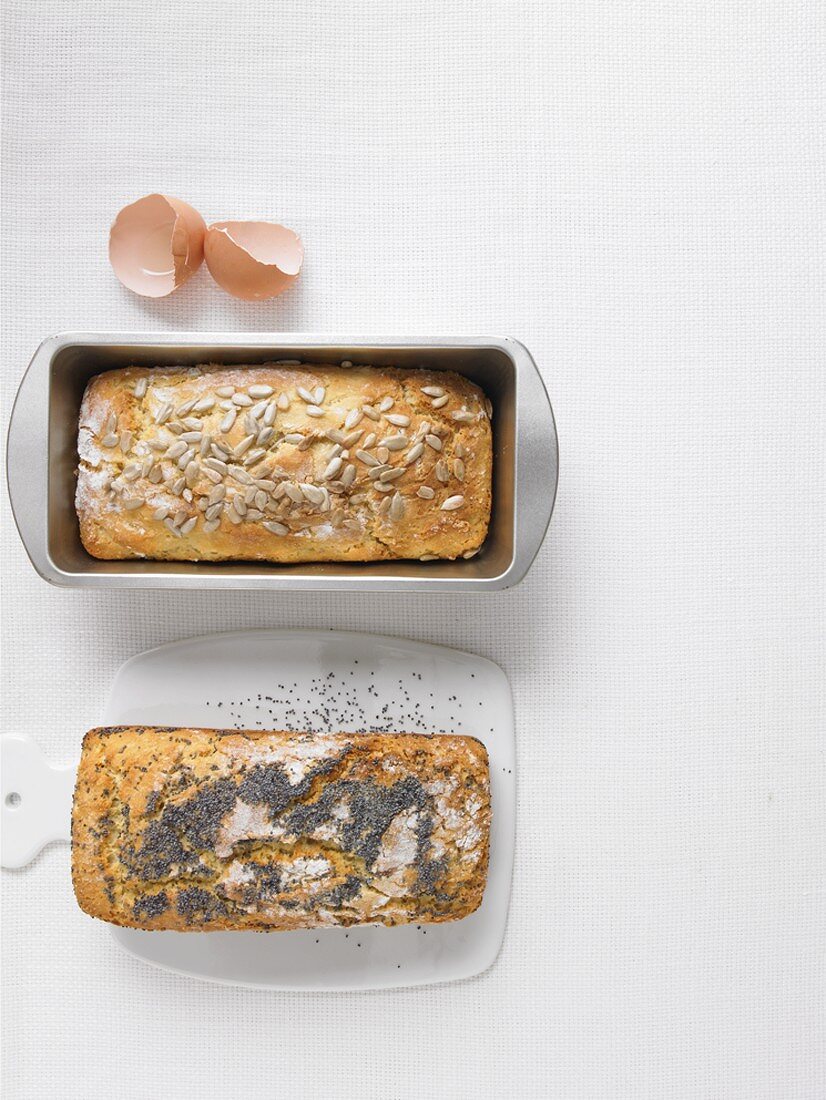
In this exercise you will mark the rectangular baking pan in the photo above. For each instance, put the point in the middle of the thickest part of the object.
(42, 459)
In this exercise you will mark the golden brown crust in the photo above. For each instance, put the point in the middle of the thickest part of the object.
(191, 487)
(207, 830)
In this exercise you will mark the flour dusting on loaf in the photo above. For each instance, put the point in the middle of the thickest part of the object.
(200, 830)
(283, 464)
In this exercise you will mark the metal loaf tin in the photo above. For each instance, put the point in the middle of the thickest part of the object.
(42, 459)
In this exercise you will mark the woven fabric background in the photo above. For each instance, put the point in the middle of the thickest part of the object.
(636, 191)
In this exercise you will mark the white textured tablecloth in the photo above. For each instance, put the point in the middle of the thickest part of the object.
(636, 191)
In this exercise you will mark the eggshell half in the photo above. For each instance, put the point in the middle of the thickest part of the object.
(253, 260)
(156, 244)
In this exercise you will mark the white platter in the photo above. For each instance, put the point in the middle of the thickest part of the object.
(326, 680)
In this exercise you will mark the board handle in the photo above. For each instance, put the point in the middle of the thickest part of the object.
(36, 800)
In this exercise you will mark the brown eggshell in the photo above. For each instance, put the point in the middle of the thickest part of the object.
(156, 244)
(253, 260)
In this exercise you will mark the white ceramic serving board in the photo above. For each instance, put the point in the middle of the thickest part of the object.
(325, 680)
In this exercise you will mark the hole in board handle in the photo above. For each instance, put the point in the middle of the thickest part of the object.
(13, 800)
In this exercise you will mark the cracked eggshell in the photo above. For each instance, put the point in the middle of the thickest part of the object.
(253, 260)
(156, 244)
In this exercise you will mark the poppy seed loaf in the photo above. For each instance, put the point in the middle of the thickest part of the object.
(204, 830)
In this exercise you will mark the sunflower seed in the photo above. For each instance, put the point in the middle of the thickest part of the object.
(391, 475)
(385, 404)
(160, 513)
(415, 453)
(268, 418)
(110, 440)
(425, 492)
(259, 390)
(265, 437)
(305, 395)
(265, 484)
(442, 472)
(241, 400)
(214, 510)
(276, 528)
(225, 391)
(335, 435)
(175, 427)
(187, 495)
(294, 438)
(463, 416)
(216, 494)
(398, 420)
(452, 503)
(187, 406)
(155, 474)
(185, 459)
(260, 499)
(201, 504)
(395, 442)
(433, 391)
(226, 405)
(461, 450)
(250, 424)
(336, 450)
(352, 418)
(191, 437)
(384, 507)
(349, 475)
(433, 441)
(367, 458)
(177, 486)
(314, 410)
(458, 469)
(140, 387)
(333, 467)
(370, 412)
(283, 402)
(249, 495)
(163, 413)
(147, 465)
(131, 503)
(111, 423)
(319, 393)
(253, 514)
(468, 554)
(228, 421)
(307, 442)
(352, 524)
(240, 475)
(233, 516)
(382, 486)
(439, 402)
(377, 471)
(205, 405)
(397, 507)
(156, 444)
(211, 526)
(369, 441)
(429, 557)
(211, 475)
(171, 526)
(489, 411)
(176, 449)
(243, 446)
(187, 527)
(216, 464)
(424, 429)
(278, 492)
(126, 440)
(131, 472)
(353, 438)
(294, 493)
(219, 449)
(239, 504)
(313, 494)
(382, 453)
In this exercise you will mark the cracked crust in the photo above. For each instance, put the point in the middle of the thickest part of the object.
(354, 522)
(207, 830)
